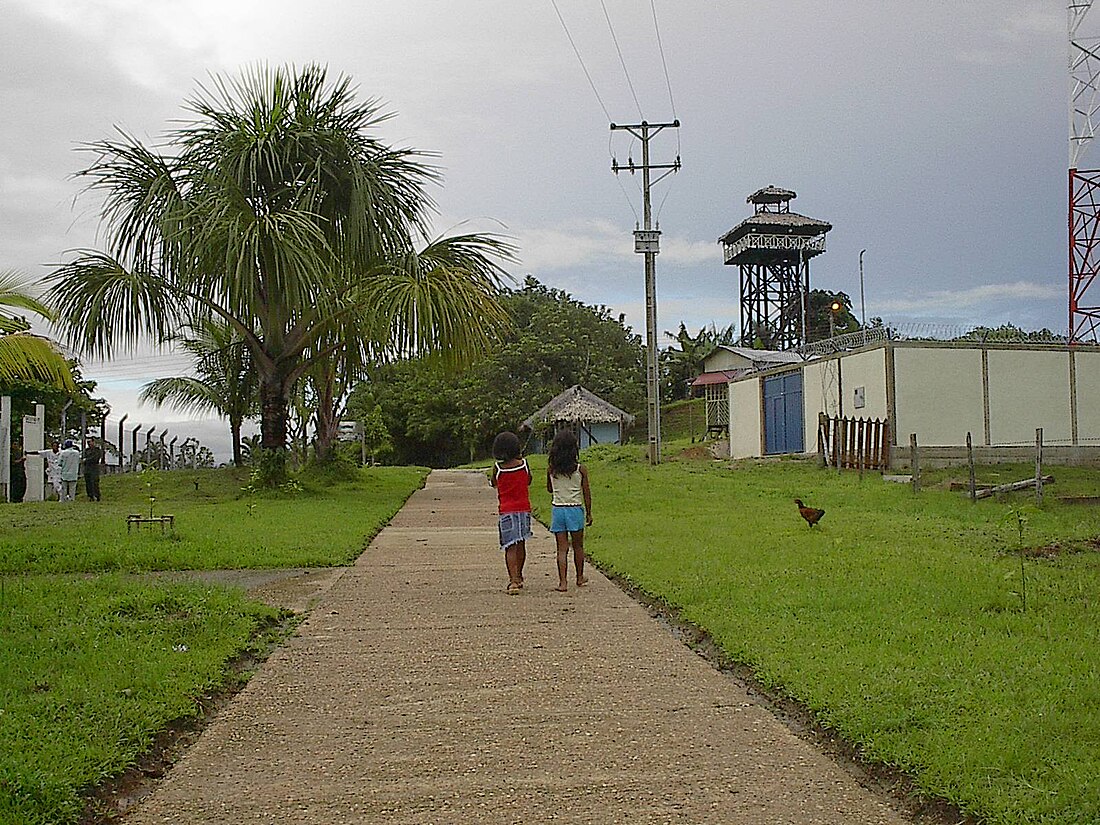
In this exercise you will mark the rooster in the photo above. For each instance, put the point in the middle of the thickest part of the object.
(811, 514)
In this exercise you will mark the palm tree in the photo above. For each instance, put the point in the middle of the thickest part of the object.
(23, 355)
(275, 211)
(225, 383)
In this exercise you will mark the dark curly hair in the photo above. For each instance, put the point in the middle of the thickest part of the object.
(506, 446)
(564, 454)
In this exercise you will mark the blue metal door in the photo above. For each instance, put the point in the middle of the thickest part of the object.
(783, 414)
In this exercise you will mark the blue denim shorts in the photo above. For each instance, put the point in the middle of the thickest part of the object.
(514, 528)
(567, 519)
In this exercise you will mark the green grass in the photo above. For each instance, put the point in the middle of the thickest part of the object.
(217, 526)
(92, 670)
(94, 662)
(898, 622)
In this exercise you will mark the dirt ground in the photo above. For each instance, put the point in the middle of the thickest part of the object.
(294, 588)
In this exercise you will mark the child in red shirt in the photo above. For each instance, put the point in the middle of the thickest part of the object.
(511, 477)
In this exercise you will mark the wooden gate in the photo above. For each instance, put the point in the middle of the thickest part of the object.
(856, 443)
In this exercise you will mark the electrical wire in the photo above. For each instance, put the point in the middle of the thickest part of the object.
(584, 68)
(622, 62)
(664, 64)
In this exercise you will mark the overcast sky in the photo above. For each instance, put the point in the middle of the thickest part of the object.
(931, 134)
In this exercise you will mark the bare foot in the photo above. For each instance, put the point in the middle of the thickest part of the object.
(582, 581)
(561, 588)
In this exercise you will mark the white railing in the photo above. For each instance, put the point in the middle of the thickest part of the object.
(782, 243)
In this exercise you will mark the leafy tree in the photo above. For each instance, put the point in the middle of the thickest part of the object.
(439, 417)
(25, 357)
(376, 438)
(225, 383)
(1010, 333)
(820, 310)
(26, 394)
(683, 362)
(275, 211)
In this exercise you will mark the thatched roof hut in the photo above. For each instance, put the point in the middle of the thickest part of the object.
(594, 420)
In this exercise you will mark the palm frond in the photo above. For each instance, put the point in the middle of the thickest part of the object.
(184, 394)
(102, 306)
(25, 357)
(17, 292)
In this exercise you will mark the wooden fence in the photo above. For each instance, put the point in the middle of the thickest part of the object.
(855, 443)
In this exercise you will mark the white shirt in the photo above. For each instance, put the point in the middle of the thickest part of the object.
(70, 464)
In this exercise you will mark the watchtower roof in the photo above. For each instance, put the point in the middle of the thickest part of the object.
(771, 194)
(785, 223)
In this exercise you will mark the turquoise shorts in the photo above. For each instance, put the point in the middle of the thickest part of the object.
(567, 519)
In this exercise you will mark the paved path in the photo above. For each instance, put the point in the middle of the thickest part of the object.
(419, 692)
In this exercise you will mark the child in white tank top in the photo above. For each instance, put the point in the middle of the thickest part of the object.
(567, 483)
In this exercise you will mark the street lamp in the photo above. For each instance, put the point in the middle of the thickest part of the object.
(834, 308)
(862, 305)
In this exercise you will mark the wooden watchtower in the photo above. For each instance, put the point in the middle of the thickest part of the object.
(773, 249)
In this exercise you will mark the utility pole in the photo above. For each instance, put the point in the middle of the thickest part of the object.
(647, 242)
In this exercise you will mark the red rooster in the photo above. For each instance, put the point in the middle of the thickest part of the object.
(811, 514)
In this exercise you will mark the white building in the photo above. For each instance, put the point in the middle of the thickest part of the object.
(999, 393)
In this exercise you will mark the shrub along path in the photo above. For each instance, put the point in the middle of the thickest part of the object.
(418, 692)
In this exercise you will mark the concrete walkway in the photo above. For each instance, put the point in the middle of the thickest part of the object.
(419, 692)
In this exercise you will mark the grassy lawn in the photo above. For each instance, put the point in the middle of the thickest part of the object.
(899, 621)
(94, 662)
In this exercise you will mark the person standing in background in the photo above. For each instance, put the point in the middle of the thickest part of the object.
(93, 458)
(17, 486)
(70, 470)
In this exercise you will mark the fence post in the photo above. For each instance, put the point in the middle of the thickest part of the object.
(914, 461)
(822, 423)
(970, 461)
(1039, 466)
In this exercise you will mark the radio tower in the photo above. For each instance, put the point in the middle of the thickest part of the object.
(1084, 184)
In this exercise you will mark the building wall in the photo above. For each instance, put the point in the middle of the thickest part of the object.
(938, 395)
(745, 425)
(1088, 397)
(1028, 389)
(866, 370)
(722, 359)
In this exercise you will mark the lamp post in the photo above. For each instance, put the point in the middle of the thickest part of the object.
(862, 305)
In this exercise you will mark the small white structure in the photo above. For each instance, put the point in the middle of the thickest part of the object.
(725, 364)
(1000, 393)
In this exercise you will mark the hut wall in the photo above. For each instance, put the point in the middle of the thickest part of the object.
(603, 432)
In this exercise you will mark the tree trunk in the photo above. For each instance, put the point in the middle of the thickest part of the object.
(328, 419)
(235, 434)
(273, 426)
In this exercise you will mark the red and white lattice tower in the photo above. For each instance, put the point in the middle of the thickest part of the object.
(1084, 184)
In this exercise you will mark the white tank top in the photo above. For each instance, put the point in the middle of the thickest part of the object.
(567, 489)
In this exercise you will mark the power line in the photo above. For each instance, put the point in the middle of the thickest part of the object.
(576, 51)
(664, 65)
(622, 62)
